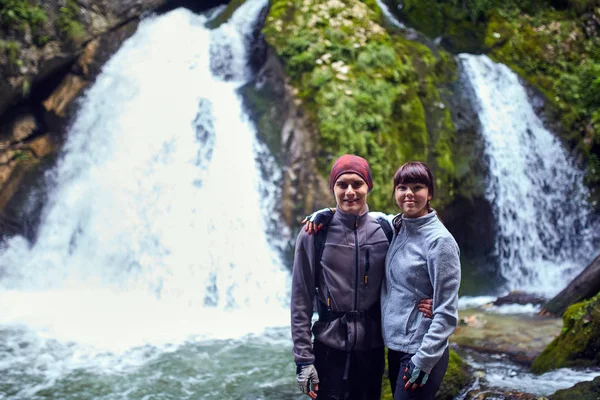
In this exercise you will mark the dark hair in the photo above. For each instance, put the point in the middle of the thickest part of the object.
(412, 172)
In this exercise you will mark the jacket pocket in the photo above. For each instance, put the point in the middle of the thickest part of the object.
(411, 320)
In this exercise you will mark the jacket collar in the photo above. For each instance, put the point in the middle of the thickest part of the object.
(349, 220)
(419, 221)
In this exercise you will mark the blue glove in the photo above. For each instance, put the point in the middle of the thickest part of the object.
(415, 377)
(315, 221)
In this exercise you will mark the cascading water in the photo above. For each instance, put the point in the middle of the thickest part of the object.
(153, 235)
(546, 234)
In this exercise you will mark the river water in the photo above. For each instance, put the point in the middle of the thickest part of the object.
(151, 276)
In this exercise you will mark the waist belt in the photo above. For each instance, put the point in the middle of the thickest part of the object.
(327, 315)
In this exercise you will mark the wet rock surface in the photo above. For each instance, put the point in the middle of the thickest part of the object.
(521, 337)
(517, 297)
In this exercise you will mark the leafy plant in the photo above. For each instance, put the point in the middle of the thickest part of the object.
(67, 22)
(17, 13)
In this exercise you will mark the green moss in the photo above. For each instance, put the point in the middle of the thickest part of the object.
(21, 156)
(18, 13)
(12, 49)
(456, 379)
(579, 343)
(581, 391)
(366, 92)
(68, 24)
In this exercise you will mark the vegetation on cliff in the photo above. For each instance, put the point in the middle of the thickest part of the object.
(553, 44)
(364, 91)
(579, 343)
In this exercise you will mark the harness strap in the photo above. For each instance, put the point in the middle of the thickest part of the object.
(327, 315)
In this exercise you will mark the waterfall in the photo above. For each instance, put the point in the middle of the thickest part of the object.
(545, 232)
(156, 211)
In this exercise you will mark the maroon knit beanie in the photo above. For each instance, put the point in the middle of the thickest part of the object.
(348, 164)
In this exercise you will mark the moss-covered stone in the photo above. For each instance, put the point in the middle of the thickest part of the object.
(456, 379)
(366, 92)
(579, 343)
(581, 391)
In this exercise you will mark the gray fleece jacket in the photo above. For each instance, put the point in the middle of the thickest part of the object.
(352, 270)
(423, 261)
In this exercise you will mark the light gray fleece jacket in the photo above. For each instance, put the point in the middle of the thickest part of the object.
(352, 270)
(422, 262)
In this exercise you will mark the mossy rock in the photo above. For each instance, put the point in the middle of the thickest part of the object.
(579, 343)
(581, 391)
(456, 379)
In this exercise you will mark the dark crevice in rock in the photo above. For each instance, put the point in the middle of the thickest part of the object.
(192, 5)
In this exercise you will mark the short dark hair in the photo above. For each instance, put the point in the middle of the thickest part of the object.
(414, 172)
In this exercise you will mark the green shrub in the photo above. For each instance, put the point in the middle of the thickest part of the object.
(68, 24)
(17, 13)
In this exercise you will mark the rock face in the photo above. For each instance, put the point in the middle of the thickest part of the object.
(579, 343)
(39, 42)
(283, 126)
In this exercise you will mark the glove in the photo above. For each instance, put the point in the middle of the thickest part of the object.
(315, 221)
(306, 375)
(414, 376)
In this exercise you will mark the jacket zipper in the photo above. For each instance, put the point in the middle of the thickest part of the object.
(356, 263)
(367, 266)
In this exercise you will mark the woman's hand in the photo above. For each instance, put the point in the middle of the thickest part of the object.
(414, 377)
(315, 221)
(426, 307)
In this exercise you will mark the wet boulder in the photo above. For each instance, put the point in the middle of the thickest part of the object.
(581, 391)
(518, 297)
(579, 343)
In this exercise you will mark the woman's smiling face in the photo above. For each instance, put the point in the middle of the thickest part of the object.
(351, 192)
(412, 198)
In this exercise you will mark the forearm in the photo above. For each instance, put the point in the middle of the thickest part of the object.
(444, 272)
(302, 295)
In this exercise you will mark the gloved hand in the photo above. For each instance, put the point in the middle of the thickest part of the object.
(414, 377)
(306, 375)
(315, 221)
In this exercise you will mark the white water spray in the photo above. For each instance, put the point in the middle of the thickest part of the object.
(545, 233)
(154, 228)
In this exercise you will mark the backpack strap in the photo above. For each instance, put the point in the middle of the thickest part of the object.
(319, 239)
(387, 229)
